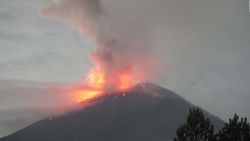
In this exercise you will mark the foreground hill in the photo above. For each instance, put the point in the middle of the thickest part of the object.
(145, 112)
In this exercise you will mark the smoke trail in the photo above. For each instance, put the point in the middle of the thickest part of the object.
(121, 45)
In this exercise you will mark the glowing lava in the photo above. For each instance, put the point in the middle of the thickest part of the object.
(121, 53)
(98, 83)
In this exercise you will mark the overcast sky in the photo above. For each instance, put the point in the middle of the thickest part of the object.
(206, 45)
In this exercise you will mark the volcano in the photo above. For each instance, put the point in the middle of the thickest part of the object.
(145, 112)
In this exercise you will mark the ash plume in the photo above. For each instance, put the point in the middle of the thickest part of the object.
(122, 43)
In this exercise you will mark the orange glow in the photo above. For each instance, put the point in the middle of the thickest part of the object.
(97, 84)
(125, 80)
(86, 95)
(96, 76)
(87, 91)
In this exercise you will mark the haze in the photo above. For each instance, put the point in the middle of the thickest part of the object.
(206, 45)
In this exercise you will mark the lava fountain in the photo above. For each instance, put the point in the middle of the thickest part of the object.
(98, 84)
(122, 56)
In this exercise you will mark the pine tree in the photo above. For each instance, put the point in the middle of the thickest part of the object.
(197, 128)
(235, 130)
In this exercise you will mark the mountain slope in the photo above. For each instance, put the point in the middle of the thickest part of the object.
(145, 112)
(12, 120)
(25, 102)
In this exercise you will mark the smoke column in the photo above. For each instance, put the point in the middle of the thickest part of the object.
(122, 44)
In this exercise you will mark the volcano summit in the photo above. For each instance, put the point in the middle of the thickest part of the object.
(144, 112)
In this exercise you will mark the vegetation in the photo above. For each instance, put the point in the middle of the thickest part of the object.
(235, 130)
(199, 128)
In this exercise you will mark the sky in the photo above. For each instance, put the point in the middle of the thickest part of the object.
(206, 45)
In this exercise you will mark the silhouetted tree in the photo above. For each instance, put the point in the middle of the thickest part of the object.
(197, 127)
(235, 130)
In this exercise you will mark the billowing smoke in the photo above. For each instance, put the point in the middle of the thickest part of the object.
(122, 43)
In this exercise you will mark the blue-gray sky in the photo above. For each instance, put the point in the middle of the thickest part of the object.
(205, 43)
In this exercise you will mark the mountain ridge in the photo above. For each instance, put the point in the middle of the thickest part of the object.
(144, 112)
